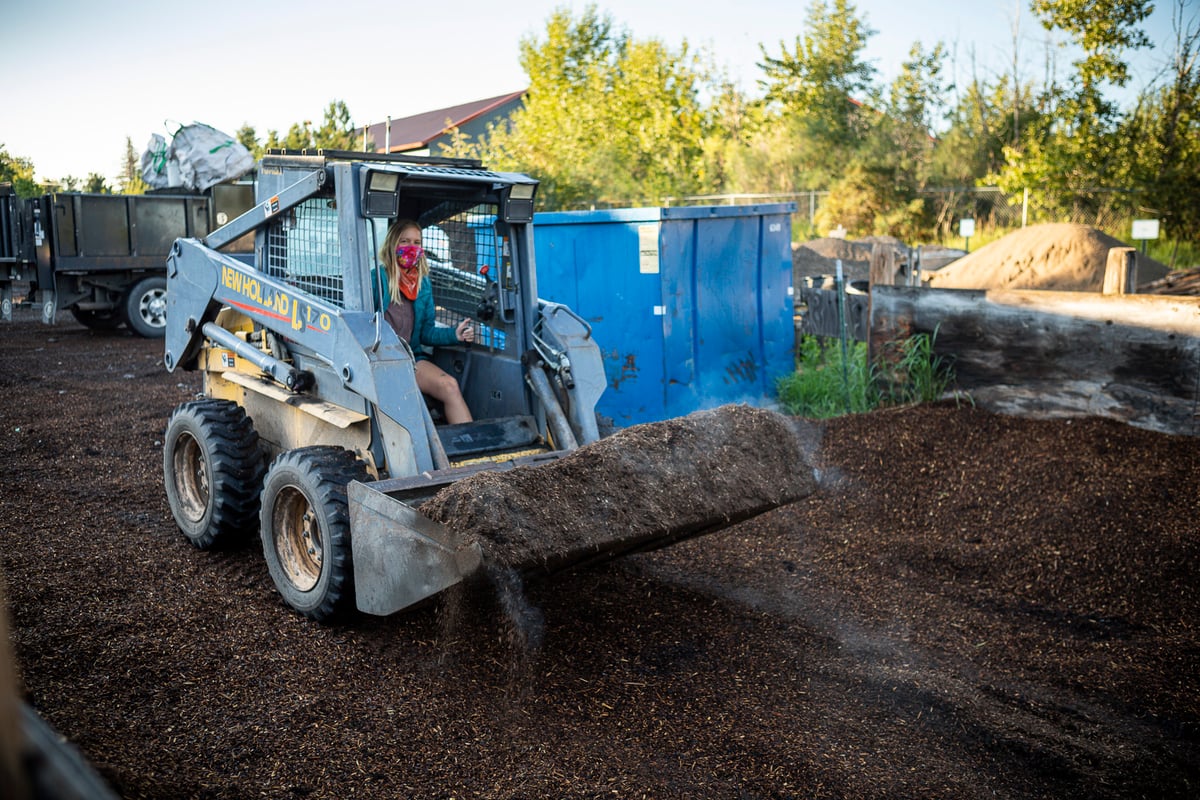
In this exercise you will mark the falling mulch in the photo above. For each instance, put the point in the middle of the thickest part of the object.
(969, 605)
(660, 481)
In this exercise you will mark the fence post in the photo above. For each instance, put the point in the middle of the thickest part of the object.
(1024, 207)
(1120, 271)
(883, 265)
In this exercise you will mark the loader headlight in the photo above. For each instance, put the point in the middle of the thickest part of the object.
(517, 205)
(381, 199)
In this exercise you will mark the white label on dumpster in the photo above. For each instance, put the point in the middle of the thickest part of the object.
(660, 310)
(648, 248)
(1145, 229)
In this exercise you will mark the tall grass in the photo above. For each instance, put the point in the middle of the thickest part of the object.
(911, 372)
(827, 384)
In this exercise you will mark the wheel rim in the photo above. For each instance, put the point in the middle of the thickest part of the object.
(191, 477)
(153, 308)
(297, 536)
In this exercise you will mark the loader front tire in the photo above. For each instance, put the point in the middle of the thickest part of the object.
(305, 526)
(212, 470)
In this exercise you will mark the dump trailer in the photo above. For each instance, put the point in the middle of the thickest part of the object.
(102, 257)
(311, 428)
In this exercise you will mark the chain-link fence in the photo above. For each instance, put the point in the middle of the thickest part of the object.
(989, 206)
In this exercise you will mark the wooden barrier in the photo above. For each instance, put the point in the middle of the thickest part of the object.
(1036, 353)
(1043, 353)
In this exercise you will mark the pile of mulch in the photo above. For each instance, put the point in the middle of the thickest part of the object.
(1053, 256)
(656, 482)
(969, 605)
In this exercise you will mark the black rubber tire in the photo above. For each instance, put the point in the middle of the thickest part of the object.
(146, 308)
(99, 320)
(212, 471)
(305, 526)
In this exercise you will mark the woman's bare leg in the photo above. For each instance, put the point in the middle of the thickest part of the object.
(438, 384)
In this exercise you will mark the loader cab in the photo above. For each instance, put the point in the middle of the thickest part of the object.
(476, 229)
(306, 315)
(479, 249)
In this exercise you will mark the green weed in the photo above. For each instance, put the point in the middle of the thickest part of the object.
(827, 384)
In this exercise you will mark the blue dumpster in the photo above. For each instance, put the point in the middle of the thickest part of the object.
(691, 307)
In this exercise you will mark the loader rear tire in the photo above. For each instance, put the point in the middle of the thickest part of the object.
(305, 526)
(212, 470)
(146, 308)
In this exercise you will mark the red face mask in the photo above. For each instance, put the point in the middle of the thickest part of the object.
(409, 256)
(408, 259)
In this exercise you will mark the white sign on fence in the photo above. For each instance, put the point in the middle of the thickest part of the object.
(966, 228)
(1145, 229)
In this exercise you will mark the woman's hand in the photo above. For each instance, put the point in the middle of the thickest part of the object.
(465, 331)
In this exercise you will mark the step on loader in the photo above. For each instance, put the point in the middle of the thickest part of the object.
(311, 427)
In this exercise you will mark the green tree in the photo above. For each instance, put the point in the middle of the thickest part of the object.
(1078, 151)
(96, 184)
(979, 127)
(337, 128)
(606, 119)
(19, 172)
(1163, 136)
(247, 137)
(131, 181)
(817, 97)
(878, 191)
(336, 132)
(913, 110)
(873, 198)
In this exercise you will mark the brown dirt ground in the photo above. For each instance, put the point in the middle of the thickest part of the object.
(969, 606)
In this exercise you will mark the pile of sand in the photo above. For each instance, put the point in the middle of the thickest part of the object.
(1054, 256)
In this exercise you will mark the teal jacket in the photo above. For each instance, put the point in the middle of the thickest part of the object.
(425, 330)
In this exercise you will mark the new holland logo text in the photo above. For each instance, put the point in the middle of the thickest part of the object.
(269, 301)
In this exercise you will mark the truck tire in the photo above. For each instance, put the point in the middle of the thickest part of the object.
(305, 527)
(212, 471)
(146, 308)
(98, 320)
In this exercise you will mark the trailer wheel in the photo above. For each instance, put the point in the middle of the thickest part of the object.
(305, 526)
(146, 308)
(98, 320)
(212, 469)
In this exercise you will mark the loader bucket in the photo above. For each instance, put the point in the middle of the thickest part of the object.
(401, 557)
(642, 488)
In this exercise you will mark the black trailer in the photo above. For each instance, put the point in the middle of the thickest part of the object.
(103, 257)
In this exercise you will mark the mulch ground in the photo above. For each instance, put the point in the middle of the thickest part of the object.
(968, 606)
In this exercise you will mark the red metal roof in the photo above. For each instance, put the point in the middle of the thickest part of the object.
(417, 131)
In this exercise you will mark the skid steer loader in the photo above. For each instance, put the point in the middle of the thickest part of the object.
(311, 427)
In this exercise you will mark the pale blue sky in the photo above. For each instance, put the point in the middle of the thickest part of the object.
(82, 75)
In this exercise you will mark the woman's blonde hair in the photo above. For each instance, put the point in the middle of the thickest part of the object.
(387, 255)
